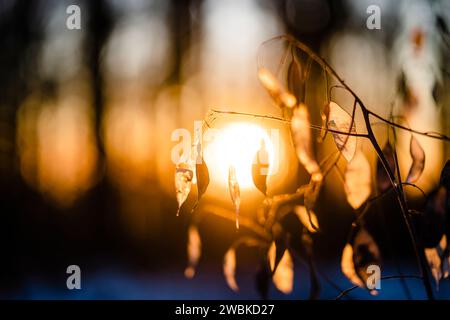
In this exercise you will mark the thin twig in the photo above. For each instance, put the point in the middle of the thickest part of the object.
(347, 291)
(273, 118)
(430, 134)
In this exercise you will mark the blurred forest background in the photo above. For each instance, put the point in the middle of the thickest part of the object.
(85, 123)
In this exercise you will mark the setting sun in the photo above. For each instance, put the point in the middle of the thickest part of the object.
(236, 145)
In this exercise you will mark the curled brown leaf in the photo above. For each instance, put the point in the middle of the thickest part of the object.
(202, 174)
(418, 160)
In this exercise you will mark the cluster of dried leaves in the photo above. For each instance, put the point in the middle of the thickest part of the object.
(276, 239)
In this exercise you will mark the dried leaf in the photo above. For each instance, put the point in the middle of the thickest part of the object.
(233, 187)
(418, 163)
(276, 252)
(312, 193)
(383, 181)
(271, 254)
(280, 95)
(358, 255)
(348, 266)
(358, 180)
(438, 267)
(301, 135)
(183, 182)
(194, 251)
(434, 261)
(260, 168)
(277, 248)
(229, 269)
(340, 120)
(366, 253)
(283, 278)
(288, 99)
(307, 218)
(446, 264)
(269, 81)
(202, 175)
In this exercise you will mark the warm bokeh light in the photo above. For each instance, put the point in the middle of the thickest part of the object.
(129, 155)
(61, 161)
(236, 145)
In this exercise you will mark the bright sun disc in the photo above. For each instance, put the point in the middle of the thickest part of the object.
(236, 145)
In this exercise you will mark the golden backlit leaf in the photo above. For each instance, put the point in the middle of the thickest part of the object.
(283, 278)
(444, 247)
(446, 265)
(260, 168)
(307, 218)
(340, 120)
(418, 160)
(201, 173)
(358, 180)
(434, 261)
(271, 254)
(348, 266)
(358, 255)
(229, 269)
(235, 194)
(194, 251)
(279, 94)
(438, 261)
(269, 81)
(276, 249)
(288, 99)
(301, 135)
(183, 182)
